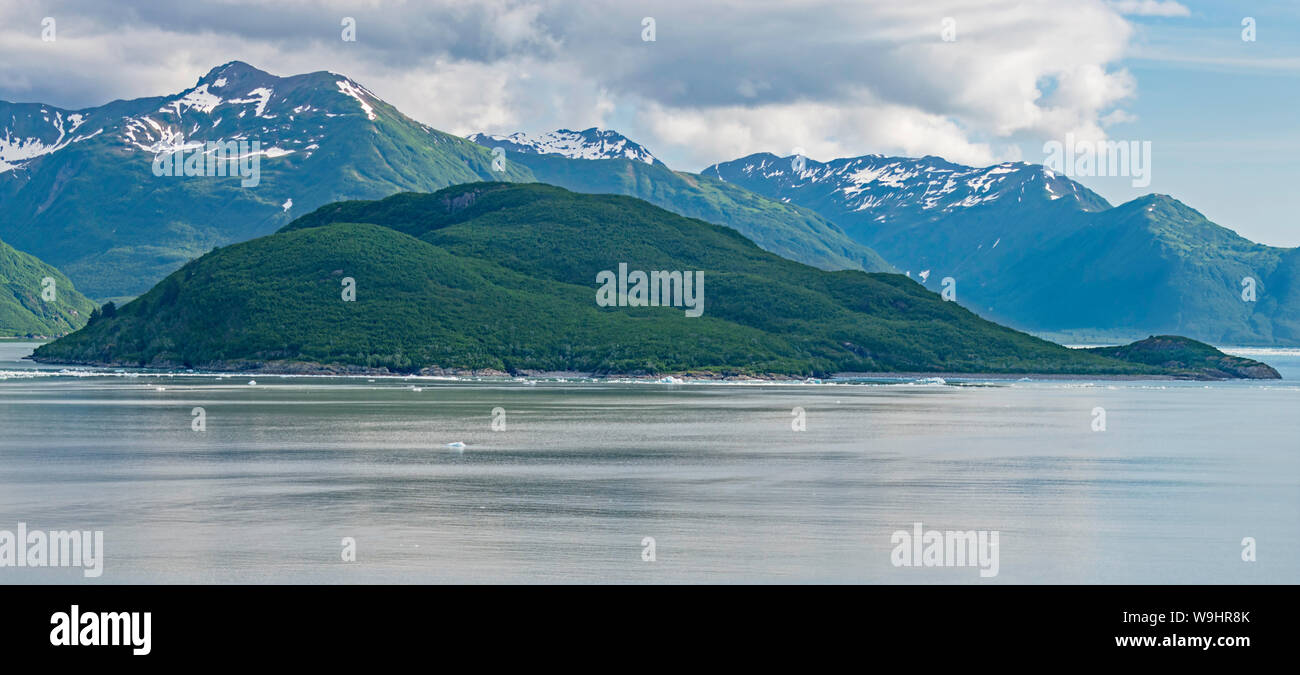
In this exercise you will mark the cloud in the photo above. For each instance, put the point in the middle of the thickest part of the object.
(838, 77)
(1150, 8)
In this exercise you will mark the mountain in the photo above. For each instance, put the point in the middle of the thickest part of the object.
(80, 188)
(24, 311)
(590, 143)
(1172, 351)
(498, 277)
(1037, 250)
(789, 231)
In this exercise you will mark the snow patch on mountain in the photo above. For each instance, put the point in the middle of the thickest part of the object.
(890, 185)
(590, 143)
(354, 91)
(16, 150)
(260, 96)
(198, 99)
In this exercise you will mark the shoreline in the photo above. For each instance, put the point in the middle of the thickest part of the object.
(307, 369)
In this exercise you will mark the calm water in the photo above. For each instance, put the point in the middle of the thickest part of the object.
(584, 471)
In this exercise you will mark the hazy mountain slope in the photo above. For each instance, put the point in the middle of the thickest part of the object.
(1039, 251)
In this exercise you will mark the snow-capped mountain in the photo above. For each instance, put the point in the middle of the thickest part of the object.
(35, 130)
(590, 143)
(80, 191)
(888, 189)
(232, 102)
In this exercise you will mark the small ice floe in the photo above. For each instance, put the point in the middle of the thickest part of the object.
(416, 389)
(931, 380)
(160, 388)
(670, 380)
(457, 445)
(252, 383)
(812, 380)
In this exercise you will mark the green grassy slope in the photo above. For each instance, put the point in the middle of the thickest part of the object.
(23, 311)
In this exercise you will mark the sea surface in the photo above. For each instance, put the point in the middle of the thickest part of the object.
(584, 472)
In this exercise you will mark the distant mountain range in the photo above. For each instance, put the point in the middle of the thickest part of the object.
(1038, 251)
(1025, 246)
(79, 190)
(496, 278)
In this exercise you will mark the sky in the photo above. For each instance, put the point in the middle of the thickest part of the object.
(975, 82)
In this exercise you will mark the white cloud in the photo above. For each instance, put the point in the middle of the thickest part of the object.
(1150, 7)
(821, 131)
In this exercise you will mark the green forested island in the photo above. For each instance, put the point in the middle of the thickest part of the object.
(502, 277)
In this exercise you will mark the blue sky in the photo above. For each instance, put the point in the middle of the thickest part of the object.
(1223, 115)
